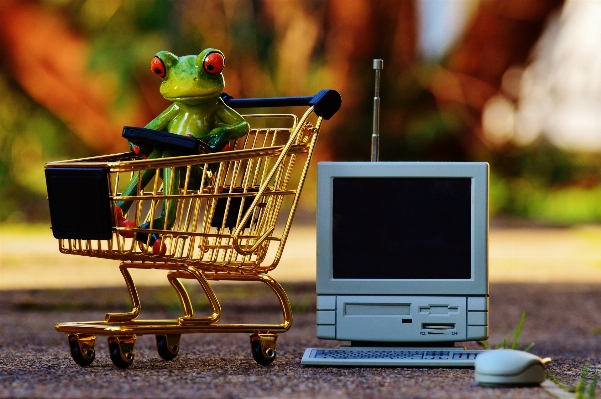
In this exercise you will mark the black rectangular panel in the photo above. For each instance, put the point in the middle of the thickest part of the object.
(232, 212)
(162, 140)
(402, 228)
(79, 200)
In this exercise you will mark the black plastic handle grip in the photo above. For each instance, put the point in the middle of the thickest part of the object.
(184, 144)
(327, 102)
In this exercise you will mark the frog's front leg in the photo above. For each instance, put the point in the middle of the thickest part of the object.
(158, 123)
(220, 137)
(229, 125)
(162, 120)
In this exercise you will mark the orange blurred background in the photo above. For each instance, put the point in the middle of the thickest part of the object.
(509, 82)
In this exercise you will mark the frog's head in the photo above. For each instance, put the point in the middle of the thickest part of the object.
(190, 78)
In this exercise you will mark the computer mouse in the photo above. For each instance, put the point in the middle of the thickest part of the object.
(509, 367)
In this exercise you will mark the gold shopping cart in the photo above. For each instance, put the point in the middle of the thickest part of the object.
(233, 213)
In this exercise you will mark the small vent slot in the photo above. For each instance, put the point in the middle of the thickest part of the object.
(438, 326)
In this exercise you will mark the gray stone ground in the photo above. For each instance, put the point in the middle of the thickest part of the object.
(34, 358)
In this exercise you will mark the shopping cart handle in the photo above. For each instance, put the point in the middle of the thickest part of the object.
(184, 144)
(327, 102)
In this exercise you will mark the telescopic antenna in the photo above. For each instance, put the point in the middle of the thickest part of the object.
(375, 136)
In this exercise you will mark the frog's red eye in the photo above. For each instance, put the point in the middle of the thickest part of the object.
(214, 63)
(157, 67)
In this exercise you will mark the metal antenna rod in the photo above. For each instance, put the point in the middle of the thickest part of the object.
(375, 136)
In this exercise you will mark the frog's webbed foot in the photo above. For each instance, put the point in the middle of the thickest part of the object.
(152, 239)
(143, 237)
(121, 221)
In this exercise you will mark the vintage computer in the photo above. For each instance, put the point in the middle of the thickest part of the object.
(402, 262)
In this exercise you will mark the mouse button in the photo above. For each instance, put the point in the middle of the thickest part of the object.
(504, 362)
(535, 374)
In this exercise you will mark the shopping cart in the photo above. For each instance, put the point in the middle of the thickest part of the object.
(233, 213)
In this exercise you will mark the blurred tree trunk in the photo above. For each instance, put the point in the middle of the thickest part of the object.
(355, 32)
(438, 106)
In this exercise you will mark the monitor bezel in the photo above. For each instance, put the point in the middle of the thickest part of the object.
(478, 283)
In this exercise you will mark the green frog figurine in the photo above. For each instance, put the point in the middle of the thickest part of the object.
(194, 84)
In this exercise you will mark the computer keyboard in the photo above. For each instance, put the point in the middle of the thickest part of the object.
(390, 357)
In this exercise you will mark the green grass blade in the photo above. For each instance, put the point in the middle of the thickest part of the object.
(557, 382)
(518, 331)
(581, 386)
(592, 388)
(529, 347)
(484, 344)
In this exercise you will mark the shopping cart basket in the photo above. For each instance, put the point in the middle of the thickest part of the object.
(233, 213)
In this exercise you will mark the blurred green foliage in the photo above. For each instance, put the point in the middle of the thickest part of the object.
(29, 137)
(544, 183)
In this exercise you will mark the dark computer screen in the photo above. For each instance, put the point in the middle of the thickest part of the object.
(402, 228)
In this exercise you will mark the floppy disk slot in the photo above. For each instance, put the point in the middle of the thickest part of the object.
(376, 309)
(438, 326)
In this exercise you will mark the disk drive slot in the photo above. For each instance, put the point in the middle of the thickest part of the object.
(376, 309)
(438, 326)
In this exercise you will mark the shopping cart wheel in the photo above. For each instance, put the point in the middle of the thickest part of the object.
(168, 345)
(121, 350)
(82, 349)
(263, 347)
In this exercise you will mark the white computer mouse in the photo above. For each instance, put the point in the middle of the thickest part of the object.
(509, 367)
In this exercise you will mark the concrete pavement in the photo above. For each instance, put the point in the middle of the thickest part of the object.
(35, 361)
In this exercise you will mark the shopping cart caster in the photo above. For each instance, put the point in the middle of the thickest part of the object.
(168, 345)
(263, 348)
(121, 350)
(82, 348)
